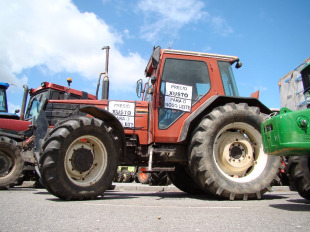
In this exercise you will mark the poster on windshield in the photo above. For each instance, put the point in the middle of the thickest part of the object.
(178, 97)
(124, 112)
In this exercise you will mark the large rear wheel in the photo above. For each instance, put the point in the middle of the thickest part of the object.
(79, 159)
(226, 154)
(11, 163)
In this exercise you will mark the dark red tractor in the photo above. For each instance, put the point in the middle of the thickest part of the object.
(17, 161)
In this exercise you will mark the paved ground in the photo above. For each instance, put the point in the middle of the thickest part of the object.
(136, 207)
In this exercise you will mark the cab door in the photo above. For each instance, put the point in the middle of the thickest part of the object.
(183, 82)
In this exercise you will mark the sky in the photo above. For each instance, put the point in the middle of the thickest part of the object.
(52, 40)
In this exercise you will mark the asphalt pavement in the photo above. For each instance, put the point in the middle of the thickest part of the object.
(136, 207)
(133, 186)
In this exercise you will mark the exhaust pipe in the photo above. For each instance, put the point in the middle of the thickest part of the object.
(22, 111)
(105, 81)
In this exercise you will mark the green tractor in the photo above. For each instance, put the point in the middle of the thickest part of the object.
(288, 134)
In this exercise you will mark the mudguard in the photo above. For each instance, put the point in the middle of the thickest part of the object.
(213, 102)
(111, 120)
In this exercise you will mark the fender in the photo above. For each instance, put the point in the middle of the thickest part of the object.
(14, 124)
(112, 121)
(218, 100)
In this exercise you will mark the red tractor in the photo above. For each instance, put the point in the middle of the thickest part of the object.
(17, 138)
(190, 122)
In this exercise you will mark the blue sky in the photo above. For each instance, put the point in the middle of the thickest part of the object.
(52, 40)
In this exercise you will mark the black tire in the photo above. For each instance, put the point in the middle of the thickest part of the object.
(11, 163)
(136, 179)
(159, 178)
(283, 175)
(79, 159)
(298, 170)
(144, 178)
(183, 180)
(38, 185)
(226, 154)
(119, 177)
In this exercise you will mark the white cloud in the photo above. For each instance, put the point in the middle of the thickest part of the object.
(12, 108)
(207, 49)
(6, 74)
(167, 17)
(55, 35)
(220, 26)
(126, 33)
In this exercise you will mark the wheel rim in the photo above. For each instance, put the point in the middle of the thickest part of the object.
(85, 160)
(6, 163)
(238, 152)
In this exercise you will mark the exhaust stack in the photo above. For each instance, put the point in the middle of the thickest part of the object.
(105, 81)
(22, 111)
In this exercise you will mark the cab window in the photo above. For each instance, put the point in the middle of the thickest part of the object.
(34, 107)
(228, 79)
(191, 81)
(3, 106)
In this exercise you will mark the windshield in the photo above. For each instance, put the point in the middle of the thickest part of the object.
(228, 79)
(3, 106)
(35, 104)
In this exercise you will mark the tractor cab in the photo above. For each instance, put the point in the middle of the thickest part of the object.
(3, 103)
(180, 82)
(49, 91)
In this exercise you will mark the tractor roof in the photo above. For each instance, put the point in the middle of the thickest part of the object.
(47, 85)
(200, 54)
(4, 85)
(149, 68)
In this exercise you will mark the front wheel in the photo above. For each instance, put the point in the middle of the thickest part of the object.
(79, 159)
(11, 163)
(226, 154)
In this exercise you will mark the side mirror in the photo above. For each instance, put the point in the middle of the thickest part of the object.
(17, 111)
(139, 89)
(238, 64)
(155, 57)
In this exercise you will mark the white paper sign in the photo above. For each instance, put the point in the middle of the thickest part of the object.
(124, 112)
(178, 97)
